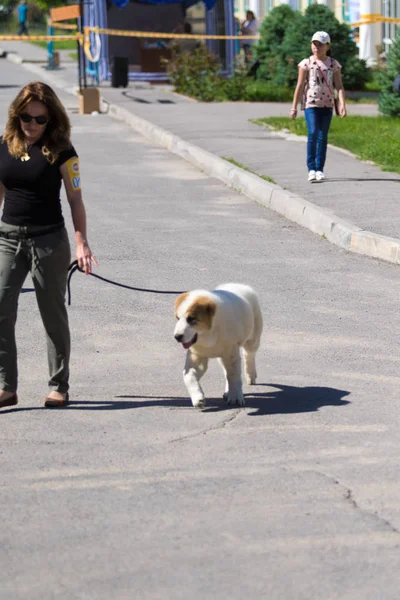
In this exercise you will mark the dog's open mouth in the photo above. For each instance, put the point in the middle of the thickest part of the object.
(192, 341)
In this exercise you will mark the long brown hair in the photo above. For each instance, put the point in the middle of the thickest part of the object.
(56, 136)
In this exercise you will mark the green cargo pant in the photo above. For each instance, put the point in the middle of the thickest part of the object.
(47, 257)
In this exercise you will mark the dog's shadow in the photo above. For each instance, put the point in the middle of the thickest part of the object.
(287, 399)
(283, 399)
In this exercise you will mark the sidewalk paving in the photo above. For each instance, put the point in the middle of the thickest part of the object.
(358, 197)
(22, 52)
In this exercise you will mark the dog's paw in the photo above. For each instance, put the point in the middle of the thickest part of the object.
(234, 397)
(199, 402)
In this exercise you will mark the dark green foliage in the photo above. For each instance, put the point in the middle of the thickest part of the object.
(389, 101)
(263, 91)
(235, 86)
(286, 39)
(197, 74)
(275, 63)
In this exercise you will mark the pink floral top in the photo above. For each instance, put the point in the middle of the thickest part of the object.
(318, 93)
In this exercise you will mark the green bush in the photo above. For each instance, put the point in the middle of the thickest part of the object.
(262, 91)
(234, 87)
(196, 74)
(275, 63)
(355, 73)
(389, 101)
(374, 85)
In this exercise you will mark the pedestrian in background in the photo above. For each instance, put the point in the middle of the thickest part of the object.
(36, 156)
(237, 33)
(249, 27)
(187, 45)
(318, 76)
(22, 18)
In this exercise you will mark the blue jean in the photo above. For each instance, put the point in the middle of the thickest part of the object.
(318, 121)
(22, 28)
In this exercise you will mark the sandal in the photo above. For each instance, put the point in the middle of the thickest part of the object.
(54, 403)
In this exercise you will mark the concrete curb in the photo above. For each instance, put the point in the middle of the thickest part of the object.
(325, 223)
(318, 220)
(14, 57)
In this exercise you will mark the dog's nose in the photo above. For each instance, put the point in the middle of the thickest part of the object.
(178, 337)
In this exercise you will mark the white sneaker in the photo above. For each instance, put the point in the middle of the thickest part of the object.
(312, 176)
(319, 175)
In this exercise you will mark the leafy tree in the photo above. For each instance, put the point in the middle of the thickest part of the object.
(389, 100)
(273, 60)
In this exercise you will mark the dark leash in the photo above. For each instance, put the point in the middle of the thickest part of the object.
(74, 267)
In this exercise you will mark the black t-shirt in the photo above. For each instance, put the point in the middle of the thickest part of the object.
(32, 187)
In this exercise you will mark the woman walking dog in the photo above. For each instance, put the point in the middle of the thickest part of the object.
(36, 156)
(318, 76)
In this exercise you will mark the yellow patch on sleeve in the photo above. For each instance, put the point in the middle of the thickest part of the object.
(73, 172)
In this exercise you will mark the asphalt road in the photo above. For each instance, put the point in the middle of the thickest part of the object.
(132, 493)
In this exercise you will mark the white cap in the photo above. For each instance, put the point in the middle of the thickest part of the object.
(322, 37)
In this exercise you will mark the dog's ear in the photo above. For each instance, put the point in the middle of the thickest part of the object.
(203, 310)
(179, 301)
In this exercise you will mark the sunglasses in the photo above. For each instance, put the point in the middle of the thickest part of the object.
(40, 120)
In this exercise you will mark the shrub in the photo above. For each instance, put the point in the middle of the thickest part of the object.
(389, 101)
(274, 61)
(263, 91)
(235, 86)
(196, 74)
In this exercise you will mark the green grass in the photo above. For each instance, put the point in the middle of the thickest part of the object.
(11, 27)
(238, 164)
(63, 45)
(375, 139)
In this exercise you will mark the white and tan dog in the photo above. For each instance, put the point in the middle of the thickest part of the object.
(218, 324)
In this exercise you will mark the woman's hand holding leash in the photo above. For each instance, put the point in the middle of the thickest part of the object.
(85, 257)
(293, 113)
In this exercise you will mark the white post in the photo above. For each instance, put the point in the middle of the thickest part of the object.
(254, 6)
(370, 35)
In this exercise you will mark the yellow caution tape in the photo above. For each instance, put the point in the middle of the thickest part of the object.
(370, 16)
(179, 36)
(44, 38)
(153, 35)
(368, 19)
